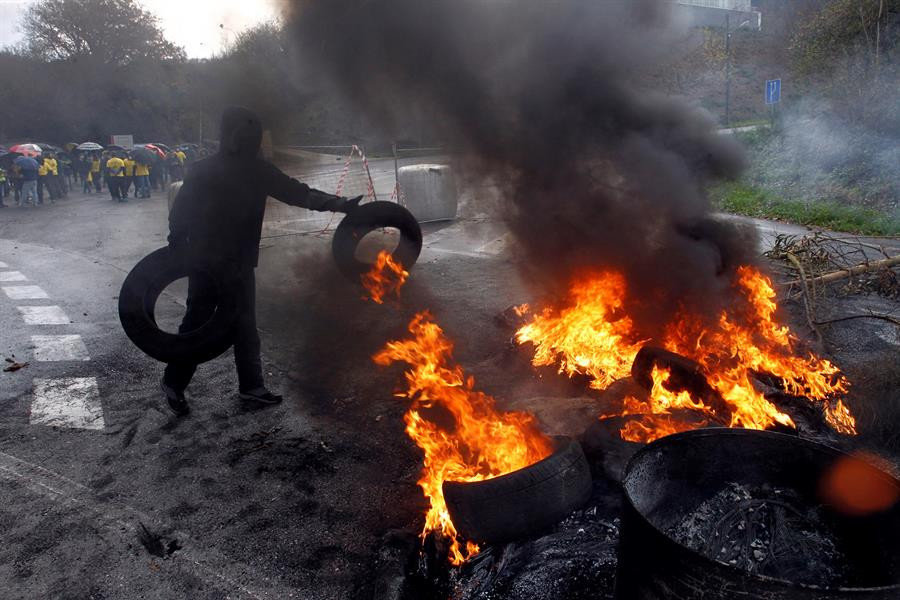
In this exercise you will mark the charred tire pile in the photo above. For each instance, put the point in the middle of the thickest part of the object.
(367, 218)
(522, 502)
(137, 302)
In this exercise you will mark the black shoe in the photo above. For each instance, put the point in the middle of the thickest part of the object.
(261, 395)
(175, 399)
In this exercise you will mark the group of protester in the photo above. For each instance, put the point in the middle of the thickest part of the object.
(52, 175)
(31, 181)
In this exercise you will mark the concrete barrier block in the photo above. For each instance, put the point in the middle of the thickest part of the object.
(429, 191)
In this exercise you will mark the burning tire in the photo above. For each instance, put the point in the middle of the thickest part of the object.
(367, 218)
(137, 303)
(522, 502)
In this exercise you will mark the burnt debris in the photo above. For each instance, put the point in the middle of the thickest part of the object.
(767, 530)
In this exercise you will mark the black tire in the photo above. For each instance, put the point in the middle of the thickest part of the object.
(367, 218)
(137, 302)
(523, 502)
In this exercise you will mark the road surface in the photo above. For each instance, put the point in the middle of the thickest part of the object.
(104, 494)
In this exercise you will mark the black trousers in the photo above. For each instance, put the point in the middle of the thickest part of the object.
(201, 303)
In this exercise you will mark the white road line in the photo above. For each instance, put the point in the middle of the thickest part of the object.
(3, 265)
(43, 315)
(12, 276)
(67, 402)
(25, 292)
(59, 347)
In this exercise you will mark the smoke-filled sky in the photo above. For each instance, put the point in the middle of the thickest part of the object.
(547, 99)
(192, 24)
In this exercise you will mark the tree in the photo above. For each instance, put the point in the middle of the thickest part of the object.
(850, 52)
(108, 31)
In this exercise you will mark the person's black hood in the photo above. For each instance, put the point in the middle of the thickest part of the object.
(241, 132)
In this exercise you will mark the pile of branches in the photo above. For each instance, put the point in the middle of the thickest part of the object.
(821, 262)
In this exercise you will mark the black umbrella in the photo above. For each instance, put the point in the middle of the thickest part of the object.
(143, 156)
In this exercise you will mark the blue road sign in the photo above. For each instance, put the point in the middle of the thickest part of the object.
(773, 91)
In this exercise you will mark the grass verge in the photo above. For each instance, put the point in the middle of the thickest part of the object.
(743, 199)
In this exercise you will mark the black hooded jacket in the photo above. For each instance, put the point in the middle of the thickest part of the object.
(218, 214)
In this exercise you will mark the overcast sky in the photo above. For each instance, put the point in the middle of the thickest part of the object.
(192, 24)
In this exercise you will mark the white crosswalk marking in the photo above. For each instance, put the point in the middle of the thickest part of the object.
(67, 402)
(59, 347)
(43, 315)
(12, 276)
(25, 292)
(3, 265)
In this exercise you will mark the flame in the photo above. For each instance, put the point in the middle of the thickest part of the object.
(478, 443)
(386, 276)
(653, 416)
(592, 335)
(647, 428)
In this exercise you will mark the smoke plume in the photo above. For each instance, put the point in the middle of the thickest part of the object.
(551, 99)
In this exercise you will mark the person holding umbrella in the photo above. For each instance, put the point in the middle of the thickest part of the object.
(4, 180)
(115, 178)
(143, 158)
(4, 187)
(129, 174)
(95, 172)
(15, 179)
(28, 170)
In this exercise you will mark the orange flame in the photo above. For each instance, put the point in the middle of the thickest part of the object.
(386, 276)
(653, 416)
(593, 336)
(475, 443)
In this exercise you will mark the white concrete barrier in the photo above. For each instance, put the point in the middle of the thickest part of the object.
(429, 191)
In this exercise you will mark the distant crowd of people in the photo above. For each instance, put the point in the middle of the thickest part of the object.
(33, 181)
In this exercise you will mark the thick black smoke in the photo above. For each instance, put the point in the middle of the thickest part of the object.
(551, 99)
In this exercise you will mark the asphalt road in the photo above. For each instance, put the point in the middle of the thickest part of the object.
(283, 502)
(104, 494)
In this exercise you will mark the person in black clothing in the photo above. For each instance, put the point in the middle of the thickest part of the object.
(216, 220)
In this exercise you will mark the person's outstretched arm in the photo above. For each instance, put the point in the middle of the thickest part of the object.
(290, 191)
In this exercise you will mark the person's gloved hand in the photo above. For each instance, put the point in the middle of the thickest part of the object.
(349, 204)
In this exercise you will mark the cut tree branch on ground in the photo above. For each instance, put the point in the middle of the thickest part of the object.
(845, 273)
(808, 301)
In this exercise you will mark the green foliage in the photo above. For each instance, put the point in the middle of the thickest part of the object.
(108, 31)
(743, 199)
(840, 28)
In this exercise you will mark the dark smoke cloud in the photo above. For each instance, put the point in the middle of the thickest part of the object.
(551, 99)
